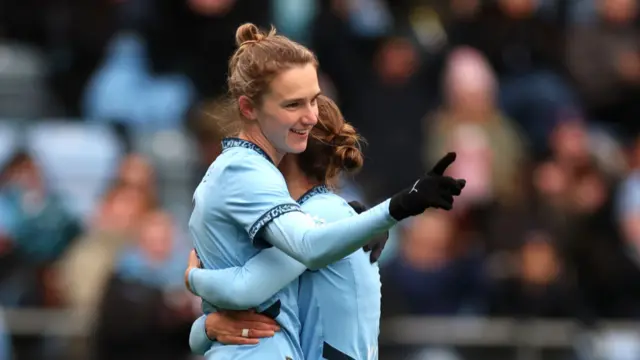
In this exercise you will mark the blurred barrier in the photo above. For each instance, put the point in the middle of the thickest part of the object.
(450, 331)
(419, 338)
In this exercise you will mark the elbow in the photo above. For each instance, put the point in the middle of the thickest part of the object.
(198, 342)
(198, 348)
(315, 262)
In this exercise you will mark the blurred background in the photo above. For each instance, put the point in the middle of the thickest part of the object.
(103, 139)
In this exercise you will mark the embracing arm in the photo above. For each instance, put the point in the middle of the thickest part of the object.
(246, 287)
(198, 339)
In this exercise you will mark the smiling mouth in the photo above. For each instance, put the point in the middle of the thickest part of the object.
(299, 132)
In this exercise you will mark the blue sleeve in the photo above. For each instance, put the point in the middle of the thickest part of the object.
(241, 288)
(257, 198)
(256, 194)
(198, 339)
(318, 245)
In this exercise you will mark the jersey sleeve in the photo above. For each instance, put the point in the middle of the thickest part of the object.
(198, 339)
(318, 245)
(256, 194)
(241, 288)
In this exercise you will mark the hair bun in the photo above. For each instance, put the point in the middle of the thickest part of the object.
(248, 33)
(348, 148)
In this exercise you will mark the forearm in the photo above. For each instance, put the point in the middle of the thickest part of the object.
(198, 339)
(246, 287)
(318, 246)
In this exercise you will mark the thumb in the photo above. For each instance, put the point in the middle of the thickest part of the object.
(443, 164)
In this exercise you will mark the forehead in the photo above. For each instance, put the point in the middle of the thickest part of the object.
(299, 82)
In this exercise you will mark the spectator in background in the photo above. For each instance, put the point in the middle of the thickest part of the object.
(145, 308)
(534, 286)
(86, 268)
(136, 171)
(619, 265)
(490, 148)
(604, 61)
(523, 43)
(84, 271)
(437, 272)
(125, 90)
(36, 227)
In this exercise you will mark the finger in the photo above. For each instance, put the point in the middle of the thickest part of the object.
(193, 259)
(443, 164)
(236, 340)
(357, 206)
(445, 203)
(376, 252)
(256, 326)
(258, 334)
(451, 185)
(458, 186)
(375, 255)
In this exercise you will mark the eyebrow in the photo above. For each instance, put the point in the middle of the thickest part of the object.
(301, 99)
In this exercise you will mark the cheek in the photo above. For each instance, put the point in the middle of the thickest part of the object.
(277, 121)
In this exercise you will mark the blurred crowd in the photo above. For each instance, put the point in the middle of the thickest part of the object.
(104, 134)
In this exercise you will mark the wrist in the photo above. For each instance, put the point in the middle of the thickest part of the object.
(397, 208)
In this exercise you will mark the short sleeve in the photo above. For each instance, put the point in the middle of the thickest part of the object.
(256, 194)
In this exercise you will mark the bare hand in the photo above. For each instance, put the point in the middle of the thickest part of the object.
(194, 263)
(226, 327)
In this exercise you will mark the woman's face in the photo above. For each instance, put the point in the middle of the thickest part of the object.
(289, 110)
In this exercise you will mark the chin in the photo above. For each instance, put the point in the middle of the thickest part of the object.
(297, 147)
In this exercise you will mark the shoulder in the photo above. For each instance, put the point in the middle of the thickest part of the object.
(328, 207)
(240, 167)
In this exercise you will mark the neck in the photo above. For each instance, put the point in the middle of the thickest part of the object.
(254, 134)
(297, 183)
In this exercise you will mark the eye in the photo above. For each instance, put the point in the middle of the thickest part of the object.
(292, 105)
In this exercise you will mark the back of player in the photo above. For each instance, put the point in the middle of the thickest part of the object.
(339, 304)
(222, 229)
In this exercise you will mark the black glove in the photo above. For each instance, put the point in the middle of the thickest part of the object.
(376, 245)
(430, 191)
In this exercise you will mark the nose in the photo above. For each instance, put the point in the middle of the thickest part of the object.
(310, 118)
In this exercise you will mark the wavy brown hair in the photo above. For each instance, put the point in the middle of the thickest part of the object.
(334, 146)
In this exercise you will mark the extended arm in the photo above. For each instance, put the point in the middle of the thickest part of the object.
(317, 246)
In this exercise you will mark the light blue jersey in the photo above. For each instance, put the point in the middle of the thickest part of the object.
(339, 305)
(229, 211)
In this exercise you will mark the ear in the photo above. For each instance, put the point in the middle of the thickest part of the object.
(247, 109)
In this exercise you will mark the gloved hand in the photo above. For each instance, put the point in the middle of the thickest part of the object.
(433, 190)
(376, 245)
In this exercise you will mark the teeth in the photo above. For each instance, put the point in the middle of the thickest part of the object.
(300, 132)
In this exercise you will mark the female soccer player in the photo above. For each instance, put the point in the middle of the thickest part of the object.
(243, 203)
(339, 305)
